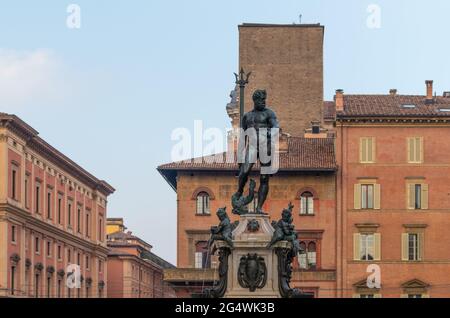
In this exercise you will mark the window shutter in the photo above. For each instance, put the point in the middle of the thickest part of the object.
(377, 237)
(417, 149)
(369, 149)
(424, 196)
(404, 246)
(421, 244)
(356, 243)
(410, 192)
(372, 149)
(357, 196)
(410, 142)
(421, 149)
(362, 150)
(377, 196)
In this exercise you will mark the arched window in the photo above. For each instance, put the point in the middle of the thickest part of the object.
(307, 257)
(312, 255)
(307, 203)
(202, 257)
(203, 203)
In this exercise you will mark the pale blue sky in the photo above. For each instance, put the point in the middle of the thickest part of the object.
(109, 94)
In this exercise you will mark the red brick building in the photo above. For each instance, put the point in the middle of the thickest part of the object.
(368, 175)
(52, 214)
(393, 190)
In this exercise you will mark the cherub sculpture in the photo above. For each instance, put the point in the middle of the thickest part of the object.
(240, 202)
(285, 230)
(223, 231)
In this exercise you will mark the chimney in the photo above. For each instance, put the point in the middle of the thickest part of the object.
(339, 100)
(446, 94)
(429, 99)
(392, 92)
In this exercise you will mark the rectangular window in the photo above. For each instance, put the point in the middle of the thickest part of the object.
(87, 225)
(87, 262)
(59, 252)
(69, 214)
(49, 248)
(26, 195)
(59, 209)
(100, 229)
(367, 150)
(14, 183)
(37, 208)
(36, 245)
(79, 219)
(417, 196)
(412, 246)
(367, 195)
(79, 259)
(49, 204)
(13, 277)
(100, 266)
(13, 233)
(415, 149)
(367, 246)
(69, 256)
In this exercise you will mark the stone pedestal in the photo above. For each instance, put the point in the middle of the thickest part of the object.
(252, 236)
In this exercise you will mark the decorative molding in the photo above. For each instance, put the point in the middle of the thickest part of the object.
(415, 226)
(307, 189)
(50, 270)
(38, 266)
(203, 189)
(15, 258)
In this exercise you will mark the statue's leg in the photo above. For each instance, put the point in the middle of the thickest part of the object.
(263, 190)
(244, 172)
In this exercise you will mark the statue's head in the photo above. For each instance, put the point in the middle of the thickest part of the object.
(259, 99)
(222, 213)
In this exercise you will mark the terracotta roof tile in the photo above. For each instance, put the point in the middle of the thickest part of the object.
(304, 154)
(388, 105)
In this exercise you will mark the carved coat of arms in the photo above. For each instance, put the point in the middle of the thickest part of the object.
(252, 272)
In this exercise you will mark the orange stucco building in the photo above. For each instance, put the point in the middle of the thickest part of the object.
(134, 271)
(368, 175)
(52, 214)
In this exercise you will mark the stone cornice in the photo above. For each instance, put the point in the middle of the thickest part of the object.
(63, 235)
(37, 144)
